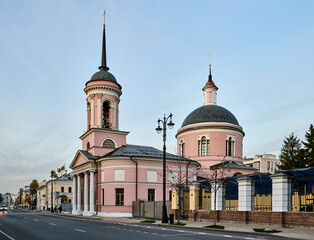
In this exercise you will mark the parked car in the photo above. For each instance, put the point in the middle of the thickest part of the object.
(3, 208)
(309, 208)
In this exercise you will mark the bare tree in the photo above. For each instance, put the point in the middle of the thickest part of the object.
(180, 174)
(217, 176)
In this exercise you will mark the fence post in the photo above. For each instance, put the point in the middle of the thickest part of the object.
(245, 194)
(281, 193)
(194, 196)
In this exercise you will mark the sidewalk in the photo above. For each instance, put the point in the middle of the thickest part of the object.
(289, 232)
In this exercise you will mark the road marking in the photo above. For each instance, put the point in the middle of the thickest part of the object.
(164, 229)
(155, 233)
(228, 236)
(131, 230)
(148, 227)
(7, 235)
(53, 224)
(137, 231)
(145, 232)
(201, 233)
(79, 230)
(249, 238)
(35, 220)
(180, 230)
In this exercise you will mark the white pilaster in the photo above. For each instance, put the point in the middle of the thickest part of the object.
(79, 203)
(114, 114)
(74, 209)
(85, 193)
(245, 193)
(281, 192)
(92, 124)
(219, 188)
(99, 95)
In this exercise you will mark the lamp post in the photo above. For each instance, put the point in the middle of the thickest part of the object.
(158, 130)
(51, 208)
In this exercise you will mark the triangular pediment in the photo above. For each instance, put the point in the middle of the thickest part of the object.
(79, 160)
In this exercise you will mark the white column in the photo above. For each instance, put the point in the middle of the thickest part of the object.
(99, 95)
(79, 204)
(91, 194)
(114, 114)
(281, 192)
(92, 124)
(85, 193)
(74, 209)
(219, 187)
(245, 193)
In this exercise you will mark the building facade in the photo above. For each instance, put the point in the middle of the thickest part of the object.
(42, 202)
(264, 163)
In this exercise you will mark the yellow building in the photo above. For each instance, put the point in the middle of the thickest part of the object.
(26, 194)
(42, 196)
(61, 189)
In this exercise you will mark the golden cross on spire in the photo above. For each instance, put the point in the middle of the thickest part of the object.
(209, 55)
(104, 17)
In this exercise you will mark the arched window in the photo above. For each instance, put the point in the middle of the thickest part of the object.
(182, 149)
(108, 144)
(203, 147)
(88, 146)
(105, 110)
(229, 146)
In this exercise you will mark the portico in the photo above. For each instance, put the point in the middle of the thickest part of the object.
(84, 185)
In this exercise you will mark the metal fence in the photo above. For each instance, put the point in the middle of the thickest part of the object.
(147, 209)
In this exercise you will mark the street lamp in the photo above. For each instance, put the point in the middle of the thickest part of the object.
(51, 208)
(158, 130)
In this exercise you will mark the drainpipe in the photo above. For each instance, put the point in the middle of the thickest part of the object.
(136, 178)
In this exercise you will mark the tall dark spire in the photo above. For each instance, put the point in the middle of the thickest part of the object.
(103, 66)
(210, 78)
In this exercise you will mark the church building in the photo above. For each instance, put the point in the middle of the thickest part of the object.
(108, 173)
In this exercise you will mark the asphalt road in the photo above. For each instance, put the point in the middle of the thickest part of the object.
(23, 225)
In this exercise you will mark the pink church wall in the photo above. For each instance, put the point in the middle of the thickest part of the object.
(217, 143)
(96, 138)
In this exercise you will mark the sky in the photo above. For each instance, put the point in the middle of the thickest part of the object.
(262, 63)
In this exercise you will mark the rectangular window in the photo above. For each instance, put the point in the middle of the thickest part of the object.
(268, 165)
(102, 196)
(119, 196)
(199, 148)
(70, 189)
(151, 195)
(62, 189)
(272, 166)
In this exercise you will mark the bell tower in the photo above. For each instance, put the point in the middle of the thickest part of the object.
(103, 98)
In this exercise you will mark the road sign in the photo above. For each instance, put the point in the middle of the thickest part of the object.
(57, 194)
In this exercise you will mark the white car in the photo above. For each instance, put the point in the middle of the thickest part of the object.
(3, 208)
